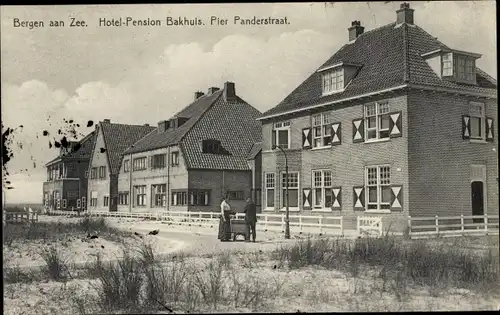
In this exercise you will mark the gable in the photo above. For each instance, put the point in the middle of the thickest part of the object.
(98, 158)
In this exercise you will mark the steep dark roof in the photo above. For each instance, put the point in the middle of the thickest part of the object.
(118, 137)
(234, 124)
(157, 140)
(390, 56)
(256, 148)
(84, 151)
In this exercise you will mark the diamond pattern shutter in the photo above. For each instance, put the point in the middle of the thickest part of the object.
(489, 129)
(396, 198)
(395, 125)
(359, 198)
(358, 130)
(336, 134)
(337, 198)
(306, 199)
(273, 138)
(465, 127)
(306, 138)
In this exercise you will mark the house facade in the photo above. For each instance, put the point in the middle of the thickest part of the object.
(111, 140)
(210, 149)
(394, 124)
(66, 184)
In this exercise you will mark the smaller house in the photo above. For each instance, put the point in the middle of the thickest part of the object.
(66, 184)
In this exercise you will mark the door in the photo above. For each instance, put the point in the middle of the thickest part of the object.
(114, 204)
(477, 191)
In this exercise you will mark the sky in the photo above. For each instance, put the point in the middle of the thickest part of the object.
(141, 75)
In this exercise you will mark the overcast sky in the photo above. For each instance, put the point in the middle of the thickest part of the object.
(145, 74)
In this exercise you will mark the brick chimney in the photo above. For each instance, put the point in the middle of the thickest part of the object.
(355, 30)
(229, 91)
(405, 14)
(212, 90)
(107, 121)
(198, 94)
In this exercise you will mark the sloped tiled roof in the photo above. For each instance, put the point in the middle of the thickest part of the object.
(83, 152)
(256, 148)
(118, 137)
(234, 124)
(157, 140)
(389, 57)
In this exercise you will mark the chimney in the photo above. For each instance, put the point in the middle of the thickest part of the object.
(405, 14)
(198, 94)
(107, 121)
(229, 91)
(163, 125)
(212, 90)
(147, 125)
(355, 30)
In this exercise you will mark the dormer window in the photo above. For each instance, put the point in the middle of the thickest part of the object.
(453, 65)
(447, 62)
(333, 80)
(213, 146)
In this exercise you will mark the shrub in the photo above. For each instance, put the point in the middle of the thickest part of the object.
(56, 266)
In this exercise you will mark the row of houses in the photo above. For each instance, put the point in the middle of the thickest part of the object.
(395, 123)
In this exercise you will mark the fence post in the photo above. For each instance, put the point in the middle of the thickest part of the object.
(342, 226)
(486, 223)
(409, 227)
(265, 222)
(320, 221)
(462, 227)
(357, 225)
(300, 223)
(282, 223)
(437, 225)
(199, 218)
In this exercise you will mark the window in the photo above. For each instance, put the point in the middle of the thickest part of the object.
(377, 121)
(447, 64)
(140, 164)
(126, 166)
(269, 185)
(461, 68)
(86, 174)
(123, 198)
(93, 173)
(477, 121)
(84, 202)
(281, 134)
(102, 171)
(58, 200)
(78, 203)
(64, 203)
(213, 146)
(175, 158)
(159, 195)
(469, 70)
(322, 130)
(199, 197)
(465, 68)
(236, 195)
(140, 195)
(333, 80)
(293, 190)
(106, 201)
(93, 199)
(322, 192)
(179, 198)
(158, 161)
(378, 187)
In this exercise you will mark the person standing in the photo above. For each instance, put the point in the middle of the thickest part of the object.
(224, 223)
(250, 219)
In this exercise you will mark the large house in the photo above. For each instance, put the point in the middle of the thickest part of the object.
(105, 162)
(208, 150)
(66, 185)
(395, 123)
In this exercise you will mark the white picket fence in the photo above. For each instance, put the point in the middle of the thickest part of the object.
(425, 227)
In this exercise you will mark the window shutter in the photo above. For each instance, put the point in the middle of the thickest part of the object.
(306, 198)
(489, 129)
(465, 127)
(306, 138)
(78, 203)
(273, 139)
(395, 125)
(397, 198)
(64, 203)
(337, 198)
(336, 134)
(150, 161)
(358, 130)
(58, 204)
(359, 198)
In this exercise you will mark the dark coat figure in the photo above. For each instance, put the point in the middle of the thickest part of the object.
(250, 219)
(225, 221)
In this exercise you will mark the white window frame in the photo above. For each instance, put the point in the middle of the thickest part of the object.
(105, 201)
(382, 110)
(174, 156)
(381, 207)
(469, 65)
(447, 65)
(123, 198)
(155, 193)
(126, 166)
(143, 193)
(283, 188)
(78, 203)
(282, 126)
(178, 196)
(482, 120)
(323, 186)
(140, 164)
(332, 81)
(461, 67)
(269, 185)
(323, 123)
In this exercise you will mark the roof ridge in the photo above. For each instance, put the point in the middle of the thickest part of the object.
(128, 125)
(377, 28)
(406, 51)
(196, 100)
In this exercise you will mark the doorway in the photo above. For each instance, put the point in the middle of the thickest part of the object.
(477, 198)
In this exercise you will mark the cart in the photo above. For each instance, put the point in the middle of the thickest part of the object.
(238, 227)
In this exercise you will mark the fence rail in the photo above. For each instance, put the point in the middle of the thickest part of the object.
(449, 226)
